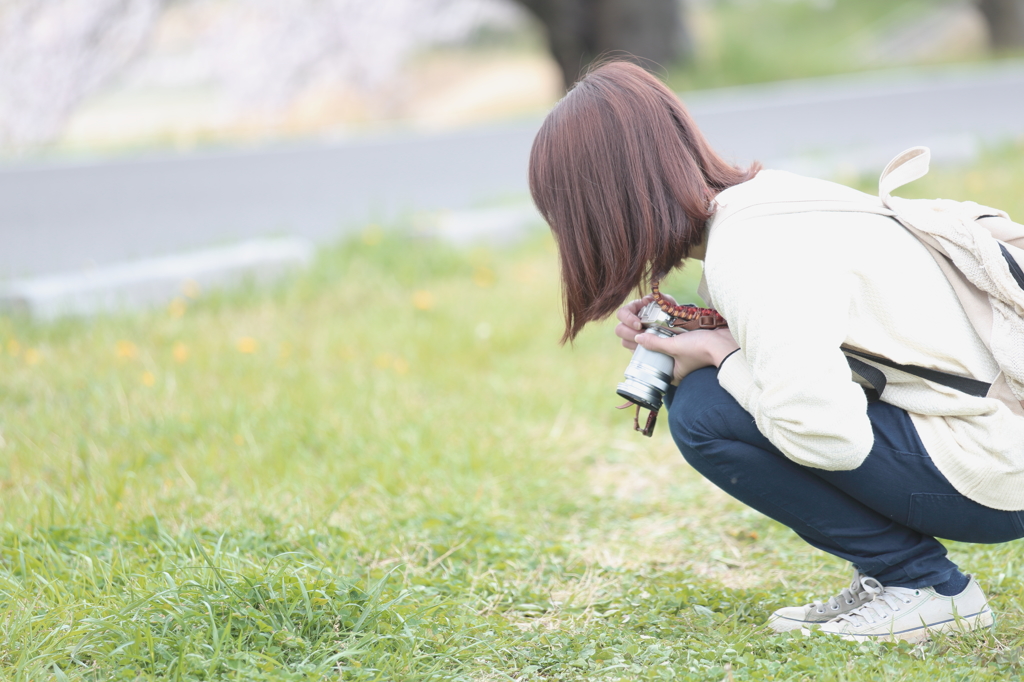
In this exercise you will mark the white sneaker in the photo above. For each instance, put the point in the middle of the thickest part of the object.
(862, 590)
(912, 615)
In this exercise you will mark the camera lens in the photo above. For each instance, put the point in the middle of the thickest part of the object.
(648, 376)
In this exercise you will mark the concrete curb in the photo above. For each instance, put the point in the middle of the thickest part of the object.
(495, 226)
(149, 282)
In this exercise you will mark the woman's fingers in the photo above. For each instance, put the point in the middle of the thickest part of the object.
(627, 315)
(629, 323)
(692, 350)
(681, 345)
(626, 334)
(689, 350)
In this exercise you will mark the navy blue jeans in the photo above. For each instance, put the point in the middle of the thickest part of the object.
(882, 517)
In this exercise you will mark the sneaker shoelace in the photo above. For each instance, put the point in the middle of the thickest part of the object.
(850, 595)
(885, 605)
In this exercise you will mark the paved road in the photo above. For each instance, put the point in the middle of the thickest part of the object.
(57, 217)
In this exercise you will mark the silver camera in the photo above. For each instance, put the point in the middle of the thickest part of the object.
(649, 373)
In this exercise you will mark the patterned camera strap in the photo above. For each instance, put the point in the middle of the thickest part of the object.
(688, 316)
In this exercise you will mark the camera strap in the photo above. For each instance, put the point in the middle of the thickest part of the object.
(652, 419)
(687, 316)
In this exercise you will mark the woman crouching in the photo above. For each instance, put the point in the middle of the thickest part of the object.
(767, 409)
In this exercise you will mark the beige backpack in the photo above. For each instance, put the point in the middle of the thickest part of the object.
(981, 252)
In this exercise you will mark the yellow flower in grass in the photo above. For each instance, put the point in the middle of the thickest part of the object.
(247, 344)
(148, 379)
(177, 307)
(239, 439)
(179, 352)
(423, 300)
(392, 362)
(400, 366)
(483, 276)
(13, 347)
(372, 235)
(190, 288)
(32, 356)
(126, 349)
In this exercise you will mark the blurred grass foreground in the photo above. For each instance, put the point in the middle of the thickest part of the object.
(387, 469)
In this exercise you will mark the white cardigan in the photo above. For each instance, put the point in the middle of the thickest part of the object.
(796, 287)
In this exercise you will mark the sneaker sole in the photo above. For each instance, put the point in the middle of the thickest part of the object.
(782, 624)
(983, 619)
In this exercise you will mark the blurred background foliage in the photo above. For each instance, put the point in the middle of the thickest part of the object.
(95, 75)
(750, 42)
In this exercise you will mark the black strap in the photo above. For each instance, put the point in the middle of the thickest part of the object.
(974, 387)
(876, 378)
(872, 375)
(1015, 270)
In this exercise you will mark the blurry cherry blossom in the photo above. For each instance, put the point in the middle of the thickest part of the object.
(275, 48)
(261, 53)
(53, 53)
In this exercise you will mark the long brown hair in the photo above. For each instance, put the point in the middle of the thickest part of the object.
(626, 181)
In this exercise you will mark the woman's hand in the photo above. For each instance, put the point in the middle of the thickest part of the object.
(629, 323)
(691, 350)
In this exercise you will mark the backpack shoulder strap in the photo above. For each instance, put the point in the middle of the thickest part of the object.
(981, 252)
(905, 168)
(1004, 229)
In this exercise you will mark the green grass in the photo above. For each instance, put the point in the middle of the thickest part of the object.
(742, 41)
(387, 469)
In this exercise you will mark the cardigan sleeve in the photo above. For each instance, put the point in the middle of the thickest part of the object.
(786, 292)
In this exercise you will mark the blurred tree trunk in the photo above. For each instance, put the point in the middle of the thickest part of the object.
(1005, 19)
(579, 31)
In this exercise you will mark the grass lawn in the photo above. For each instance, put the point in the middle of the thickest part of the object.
(387, 469)
(741, 42)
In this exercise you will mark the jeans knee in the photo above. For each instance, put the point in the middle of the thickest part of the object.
(693, 419)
